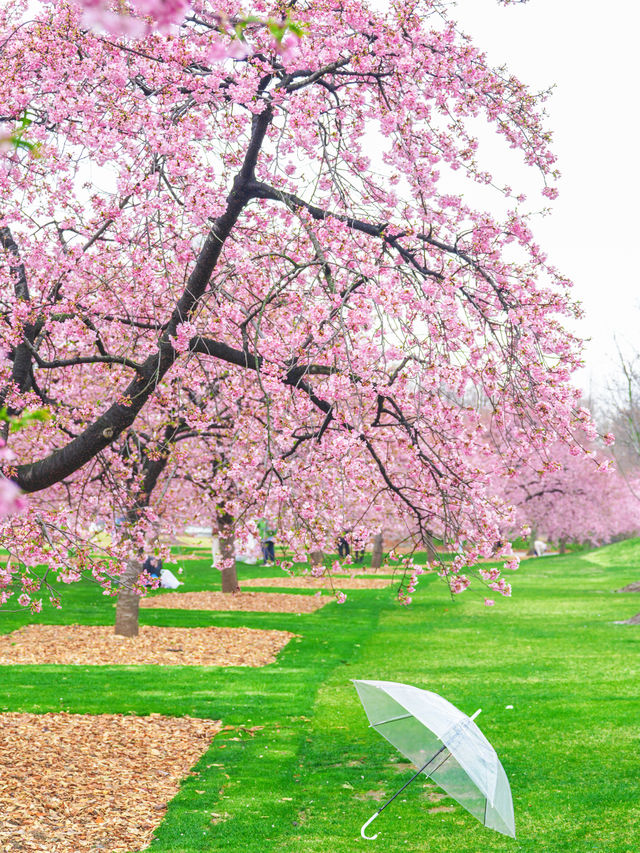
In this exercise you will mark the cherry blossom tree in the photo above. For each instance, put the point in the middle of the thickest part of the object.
(140, 17)
(288, 223)
(571, 497)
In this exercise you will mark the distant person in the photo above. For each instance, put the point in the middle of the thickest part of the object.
(168, 580)
(539, 547)
(153, 566)
(248, 555)
(344, 549)
(267, 541)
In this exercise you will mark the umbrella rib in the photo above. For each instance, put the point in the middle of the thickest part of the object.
(415, 775)
(390, 720)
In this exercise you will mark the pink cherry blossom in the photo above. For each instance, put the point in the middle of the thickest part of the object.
(11, 498)
(569, 497)
(105, 16)
(247, 289)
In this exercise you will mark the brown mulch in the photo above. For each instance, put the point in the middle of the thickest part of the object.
(367, 572)
(98, 645)
(630, 587)
(180, 557)
(634, 620)
(307, 582)
(269, 602)
(525, 555)
(71, 783)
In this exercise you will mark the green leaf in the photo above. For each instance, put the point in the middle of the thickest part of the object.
(37, 415)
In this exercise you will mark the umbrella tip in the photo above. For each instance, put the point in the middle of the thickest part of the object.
(473, 716)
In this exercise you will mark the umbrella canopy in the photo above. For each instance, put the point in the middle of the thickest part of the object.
(444, 744)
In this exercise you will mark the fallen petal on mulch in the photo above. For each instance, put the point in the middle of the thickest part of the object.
(307, 582)
(98, 645)
(71, 783)
(269, 602)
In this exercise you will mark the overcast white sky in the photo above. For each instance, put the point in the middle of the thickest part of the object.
(590, 51)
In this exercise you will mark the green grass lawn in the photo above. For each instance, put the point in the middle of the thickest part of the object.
(307, 780)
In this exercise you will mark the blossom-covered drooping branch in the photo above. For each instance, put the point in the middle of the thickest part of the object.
(281, 227)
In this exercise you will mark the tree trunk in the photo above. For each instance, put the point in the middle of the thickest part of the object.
(376, 553)
(534, 535)
(128, 604)
(215, 549)
(430, 547)
(562, 546)
(228, 552)
(316, 558)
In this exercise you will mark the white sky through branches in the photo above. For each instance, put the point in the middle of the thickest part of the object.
(589, 51)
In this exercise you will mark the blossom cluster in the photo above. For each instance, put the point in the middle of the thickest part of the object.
(247, 287)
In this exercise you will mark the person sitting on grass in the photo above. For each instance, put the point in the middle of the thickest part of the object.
(539, 547)
(153, 566)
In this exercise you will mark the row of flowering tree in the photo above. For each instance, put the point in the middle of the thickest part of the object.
(245, 279)
(570, 496)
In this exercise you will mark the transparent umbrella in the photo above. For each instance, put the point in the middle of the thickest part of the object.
(444, 744)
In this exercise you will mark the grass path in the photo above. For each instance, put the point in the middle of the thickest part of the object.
(308, 779)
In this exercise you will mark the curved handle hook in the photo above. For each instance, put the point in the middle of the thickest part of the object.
(362, 831)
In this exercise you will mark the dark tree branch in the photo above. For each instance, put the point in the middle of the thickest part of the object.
(21, 370)
(61, 463)
(83, 359)
(262, 190)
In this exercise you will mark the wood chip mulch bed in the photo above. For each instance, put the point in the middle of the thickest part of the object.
(631, 587)
(634, 620)
(269, 602)
(71, 783)
(307, 582)
(98, 645)
(178, 558)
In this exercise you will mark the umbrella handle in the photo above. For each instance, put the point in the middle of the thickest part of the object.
(399, 791)
(373, 817)
(362, 831)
